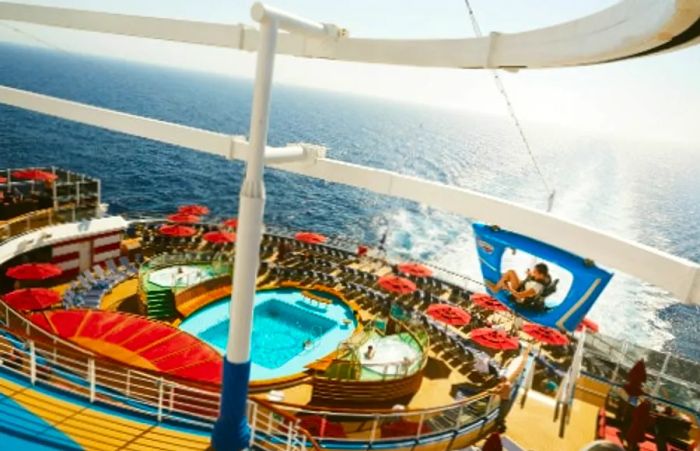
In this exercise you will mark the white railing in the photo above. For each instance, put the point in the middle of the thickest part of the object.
(56, 364)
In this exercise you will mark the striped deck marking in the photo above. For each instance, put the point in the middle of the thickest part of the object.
(95, 429)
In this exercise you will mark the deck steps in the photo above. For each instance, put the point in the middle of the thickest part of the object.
(160, 304)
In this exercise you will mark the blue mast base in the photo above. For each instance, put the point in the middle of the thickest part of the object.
(231, 430)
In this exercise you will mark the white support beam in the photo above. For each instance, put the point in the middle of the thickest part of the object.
(679, 276)
(622, 30)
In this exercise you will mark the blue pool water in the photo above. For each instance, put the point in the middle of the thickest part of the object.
(283, 322)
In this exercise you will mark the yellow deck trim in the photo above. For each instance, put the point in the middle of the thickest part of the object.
(97, 430)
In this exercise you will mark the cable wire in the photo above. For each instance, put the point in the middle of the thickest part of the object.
(511, 110)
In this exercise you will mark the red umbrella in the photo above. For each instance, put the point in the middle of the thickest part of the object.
(449, 314)
(493, 339)
(546, 335)
(219, 237)
(396, 284)
(197, 210)
(483, 300)
(177, 230)
(362, 250)
(32, 299)
(3, 179)
(318, 426)
(588, 324)
(311, 238)
(493, 443)
(34, 174)
(403, 428)
(415, 269)
(183, 218)
(34, 271)
(232, 223)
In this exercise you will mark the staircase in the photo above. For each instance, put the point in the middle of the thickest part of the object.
(160, 304)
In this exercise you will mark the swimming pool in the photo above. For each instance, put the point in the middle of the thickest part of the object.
(289, 331)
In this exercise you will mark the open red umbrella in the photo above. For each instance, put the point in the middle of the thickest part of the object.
(219, 237)
(449, 314)
(403, 428)
(494, 339)
(183, 218)
(546, 335)
(311, 238)
(34, 174)
(318, 426)
(231, 222)
(588, 324)
(28, 299)
(415, 269)
(396, 284)
(197, 210)
(493, 443)
(487, 302)
(34, 271)
(178, 231)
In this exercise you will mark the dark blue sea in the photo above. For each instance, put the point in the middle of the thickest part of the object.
(642, 191)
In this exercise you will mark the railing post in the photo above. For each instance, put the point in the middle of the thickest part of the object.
(91, 378)
(32, 362)
(160, 399)
(171, 402)
(657, 385)
(420, 425)
(128, 382)
(55, 351)
(253, 421)
(373, 431)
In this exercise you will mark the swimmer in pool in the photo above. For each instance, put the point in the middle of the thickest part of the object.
(369, 353)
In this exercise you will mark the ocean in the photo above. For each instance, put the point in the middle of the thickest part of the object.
(642, 191)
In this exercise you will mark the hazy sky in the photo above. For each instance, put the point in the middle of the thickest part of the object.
(655, 98)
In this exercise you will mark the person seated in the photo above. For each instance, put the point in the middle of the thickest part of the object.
(523, 290)
(369, 353)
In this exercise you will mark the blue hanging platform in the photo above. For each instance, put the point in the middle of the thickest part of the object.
(588, 280)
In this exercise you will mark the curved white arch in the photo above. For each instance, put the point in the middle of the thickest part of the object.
(629, 28)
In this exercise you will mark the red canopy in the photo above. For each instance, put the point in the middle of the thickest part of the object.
(483, 300)
(34, 174)
(197, 210)
(396, 284)
(318, 426)
(28, 299)
(449, 314)
(34, 271)
(177, 230)
(403, 428)
(546, 335)
(183, 218)
(493, 443)
(231, 222)
(493, 339)
(311, 238)
(588, 324)
(415, 269)
(219, 237)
